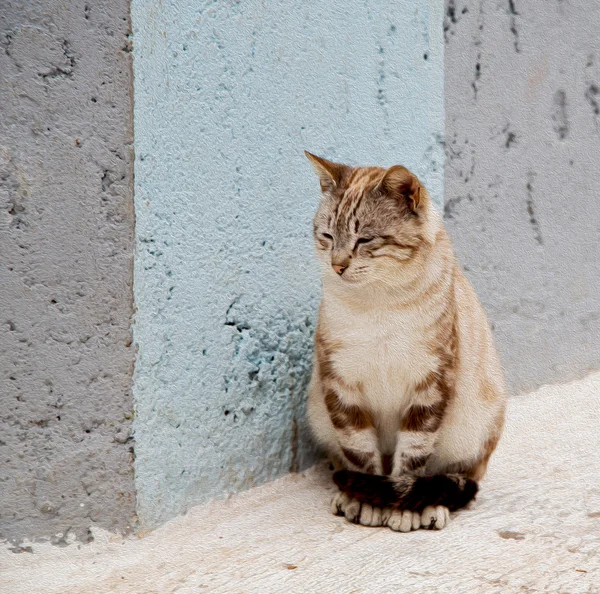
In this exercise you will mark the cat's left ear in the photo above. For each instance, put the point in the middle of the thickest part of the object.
(399, 182)
(330, 173)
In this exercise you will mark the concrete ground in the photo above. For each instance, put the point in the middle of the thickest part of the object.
(535, 527)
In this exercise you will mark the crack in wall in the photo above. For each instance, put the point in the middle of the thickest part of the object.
(58, 71)
(559, 114)
(537, 232)
(591, 94)
(592, 91)
(512, 11)
(477, 42)
(477, 75)
(509, 137)
(451, 204)
(381, 91)
(452, 17)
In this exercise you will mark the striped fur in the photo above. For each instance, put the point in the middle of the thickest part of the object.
(406, 380)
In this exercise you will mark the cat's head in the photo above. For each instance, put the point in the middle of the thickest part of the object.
(372, 223)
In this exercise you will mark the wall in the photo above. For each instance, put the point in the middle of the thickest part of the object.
(66, 243)
(522, 145)
(227, 96)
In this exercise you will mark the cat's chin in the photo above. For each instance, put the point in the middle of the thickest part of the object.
(349, 281)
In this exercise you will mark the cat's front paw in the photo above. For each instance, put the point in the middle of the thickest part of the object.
(343, 505)
(435, 517)
(338, 503)
(357, 513)
(372, 516)
(403, 520)
(431, 518)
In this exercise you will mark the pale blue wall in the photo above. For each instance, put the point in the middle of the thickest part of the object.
(227, 96)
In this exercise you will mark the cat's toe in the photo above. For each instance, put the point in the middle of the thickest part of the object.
(370, 516)
(352, 511)
(402, 520)
(416, 520)
(386, 514)
(377, 519)
(435, 518)
(366, 514)
(338, 503)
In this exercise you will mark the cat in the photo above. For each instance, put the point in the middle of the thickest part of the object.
(407, 395)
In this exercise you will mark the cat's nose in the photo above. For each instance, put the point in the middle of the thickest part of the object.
(339, 269)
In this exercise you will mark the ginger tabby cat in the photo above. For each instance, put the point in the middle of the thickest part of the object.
(407, 394)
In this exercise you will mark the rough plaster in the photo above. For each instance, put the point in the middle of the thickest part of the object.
(227, 95)
(66, 223)
(522, 90)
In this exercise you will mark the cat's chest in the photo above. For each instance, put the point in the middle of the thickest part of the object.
(387, 353)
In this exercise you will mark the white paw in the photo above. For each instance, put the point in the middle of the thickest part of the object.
(343, 505)
(352, 511)
(404, 520)
(338, 503)
(371, 516)
(357, 513)
(435, 518)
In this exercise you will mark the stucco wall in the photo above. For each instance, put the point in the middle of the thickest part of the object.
(66, 244)
(522, 181)
(227, 96)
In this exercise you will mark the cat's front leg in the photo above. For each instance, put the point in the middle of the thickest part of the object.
(419, 425)
(354, 430)
(358, 449)
(415, 442)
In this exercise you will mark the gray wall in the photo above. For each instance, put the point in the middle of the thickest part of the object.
(66, 246)
(522, 193)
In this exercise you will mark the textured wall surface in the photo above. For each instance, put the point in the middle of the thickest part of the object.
(66, 223)
(522, 87)
(227, 95)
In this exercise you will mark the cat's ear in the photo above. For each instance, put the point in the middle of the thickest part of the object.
(399, 182)
(330, 174)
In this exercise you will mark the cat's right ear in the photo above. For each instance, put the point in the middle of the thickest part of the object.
(330, 174)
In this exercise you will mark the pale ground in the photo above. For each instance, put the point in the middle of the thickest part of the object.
(535, 527)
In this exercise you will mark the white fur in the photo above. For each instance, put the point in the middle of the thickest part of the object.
(435, 518)
(410, 444)
(404, 520)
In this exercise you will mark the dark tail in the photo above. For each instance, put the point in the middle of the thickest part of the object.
(407, 492)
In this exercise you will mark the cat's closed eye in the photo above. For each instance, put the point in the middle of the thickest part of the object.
(362, 241)
(327, 236)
